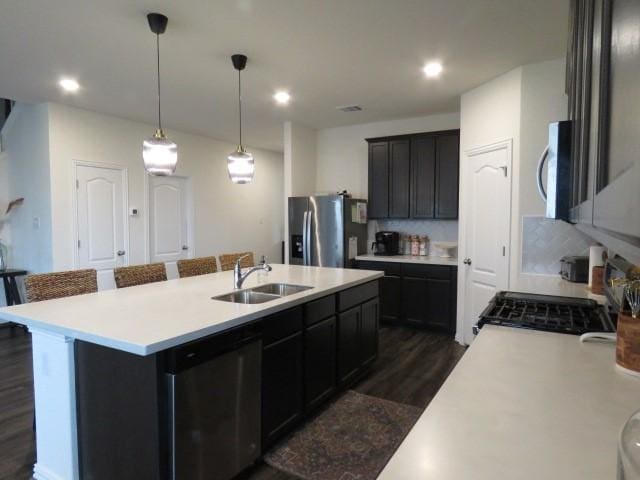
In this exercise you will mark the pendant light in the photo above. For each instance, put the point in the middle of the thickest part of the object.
(160, 154)
(240, 163)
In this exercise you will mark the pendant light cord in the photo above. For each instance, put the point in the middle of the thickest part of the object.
(158, 65)
(240, 106)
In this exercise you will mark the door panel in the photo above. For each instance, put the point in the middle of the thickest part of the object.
(298, 206)
(399, 166)
(423, 167)
(379, 180)
(447, 162)
(320, 362)
(488, 214)
(348, 344)
(100, 204)
(369, 331)
(168, 219)
(327, 231)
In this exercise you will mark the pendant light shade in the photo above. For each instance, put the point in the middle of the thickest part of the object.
(240, 163)
(160, 154)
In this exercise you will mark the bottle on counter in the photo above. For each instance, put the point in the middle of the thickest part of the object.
(415, 245)
(424, 246)
(406, 246)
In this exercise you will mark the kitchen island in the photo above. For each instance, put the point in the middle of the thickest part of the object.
(522, 404)
(139, 328)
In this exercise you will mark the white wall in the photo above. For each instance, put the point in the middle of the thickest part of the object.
(300, 153)
(342, 151)
(26, 142)
(227, 217)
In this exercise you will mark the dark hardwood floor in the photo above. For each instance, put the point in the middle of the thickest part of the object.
(411, 367)
(17, 440)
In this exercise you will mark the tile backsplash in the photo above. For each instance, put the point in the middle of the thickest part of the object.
(436, 230)
(546, 241)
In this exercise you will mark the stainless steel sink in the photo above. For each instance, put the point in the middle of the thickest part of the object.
(261, 294)
(280, 289)
(246, 296)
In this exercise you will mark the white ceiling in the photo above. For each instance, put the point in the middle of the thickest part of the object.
(327, 53)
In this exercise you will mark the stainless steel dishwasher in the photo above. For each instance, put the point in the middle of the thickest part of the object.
(214, 405)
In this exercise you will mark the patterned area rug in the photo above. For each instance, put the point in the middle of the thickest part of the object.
(352, 440)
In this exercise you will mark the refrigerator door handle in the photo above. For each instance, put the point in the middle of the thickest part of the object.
(304, 238)
(308, 232)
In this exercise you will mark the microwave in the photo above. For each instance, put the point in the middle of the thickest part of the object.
(557, 190)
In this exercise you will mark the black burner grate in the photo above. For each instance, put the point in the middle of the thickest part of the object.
(554, 314)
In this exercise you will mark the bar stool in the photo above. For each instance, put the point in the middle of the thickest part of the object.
(197, 266)
(139, 274)
(228, 260)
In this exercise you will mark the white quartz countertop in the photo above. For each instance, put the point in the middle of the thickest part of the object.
(523, 405)
(149, 318)
(420, 259)
(554, 285)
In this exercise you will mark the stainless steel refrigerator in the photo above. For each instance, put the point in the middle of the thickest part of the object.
(326, 230)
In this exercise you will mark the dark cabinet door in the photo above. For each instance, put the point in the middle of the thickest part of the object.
(320, 362)
(390, 299)
(423, 179)
(369, 331)
(348, 344)
(414, 301)
(447, 166)
(399, 169)
(281, 387)
(379, 180)
(438, 300)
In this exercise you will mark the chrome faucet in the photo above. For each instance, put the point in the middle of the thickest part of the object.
(239, 277)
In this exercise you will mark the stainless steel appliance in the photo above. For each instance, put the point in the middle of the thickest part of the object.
(557, 155)
(326, 230)
(387, 243)
(214, 406)
(574, 268)
(545, 312)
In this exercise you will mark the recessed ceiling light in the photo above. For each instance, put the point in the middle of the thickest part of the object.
(282, 97)
(69, 85)
(432, 69)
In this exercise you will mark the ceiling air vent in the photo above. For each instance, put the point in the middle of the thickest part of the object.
(350, 108)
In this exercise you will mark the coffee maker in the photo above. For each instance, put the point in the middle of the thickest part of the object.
(387, 243)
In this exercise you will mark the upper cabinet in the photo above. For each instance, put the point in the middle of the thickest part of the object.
(603, 67)
(414, 176)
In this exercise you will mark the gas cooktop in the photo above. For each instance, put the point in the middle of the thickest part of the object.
(546, 312)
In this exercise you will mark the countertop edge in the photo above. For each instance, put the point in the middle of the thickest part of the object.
(412, 259)
(149, 349)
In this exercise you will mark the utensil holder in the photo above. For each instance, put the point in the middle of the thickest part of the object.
(628, 344)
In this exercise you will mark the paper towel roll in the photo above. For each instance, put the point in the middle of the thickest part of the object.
(595, 259)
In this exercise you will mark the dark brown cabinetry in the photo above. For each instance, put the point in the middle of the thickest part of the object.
(379, 179)
(320, 362)
(399, 177)
(414, 176)
(309, 353)
(417, 295)
(604, 107)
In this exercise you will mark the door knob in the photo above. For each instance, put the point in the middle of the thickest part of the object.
(467, 261)
(120, 253)
(185, 247)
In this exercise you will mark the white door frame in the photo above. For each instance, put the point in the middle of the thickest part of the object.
(507, 145)
(125, 204)
(190, 217)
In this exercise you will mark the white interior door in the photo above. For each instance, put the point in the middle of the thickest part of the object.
(100, 207)
(168, 219)
(487, 215)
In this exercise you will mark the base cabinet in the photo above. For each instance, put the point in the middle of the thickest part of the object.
(320, 362)
(416, 295)
(301, 358)
(281, 387)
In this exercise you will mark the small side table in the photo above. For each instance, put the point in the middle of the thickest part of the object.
(11, 293)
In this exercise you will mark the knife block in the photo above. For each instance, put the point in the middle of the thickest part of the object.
(628, 344)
